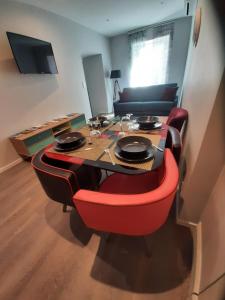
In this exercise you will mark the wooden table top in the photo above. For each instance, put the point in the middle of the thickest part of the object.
(94, 155)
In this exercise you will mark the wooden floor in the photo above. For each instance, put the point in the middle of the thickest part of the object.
(48, 254)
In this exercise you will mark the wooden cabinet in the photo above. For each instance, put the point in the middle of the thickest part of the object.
(28, 142)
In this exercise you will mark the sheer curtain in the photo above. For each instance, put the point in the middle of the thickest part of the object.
(150, 56)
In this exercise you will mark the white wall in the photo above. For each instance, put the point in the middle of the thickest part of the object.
(120, 57)
(121, 60)
(211, 188)
(27, 100)
(204, 150)
(199, 97)
(213, 244)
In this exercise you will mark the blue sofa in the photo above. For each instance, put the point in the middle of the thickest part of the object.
(155, 100)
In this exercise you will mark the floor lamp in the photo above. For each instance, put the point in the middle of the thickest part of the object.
(115, 74)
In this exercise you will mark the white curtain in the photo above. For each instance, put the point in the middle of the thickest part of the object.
(150, 57)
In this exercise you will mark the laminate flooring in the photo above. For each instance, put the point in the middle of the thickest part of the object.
(47, 254)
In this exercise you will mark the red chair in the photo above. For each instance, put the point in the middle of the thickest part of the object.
(178, 117)
(174, 143)
(130, 205)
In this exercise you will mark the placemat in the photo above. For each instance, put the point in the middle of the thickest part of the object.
(97, 148)
(155, 139)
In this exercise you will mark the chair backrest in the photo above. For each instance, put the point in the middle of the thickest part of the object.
(139, 214)
(177, 118)
(59, 184)
(174, 143)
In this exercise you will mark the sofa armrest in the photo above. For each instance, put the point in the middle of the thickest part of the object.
(116, 102)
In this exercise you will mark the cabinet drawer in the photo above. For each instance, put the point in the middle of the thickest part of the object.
(38, 142)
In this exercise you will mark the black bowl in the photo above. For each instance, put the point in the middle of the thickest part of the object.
(149, 155)
(69, 139)
(69, 147)
(147, 122)
(134, 147)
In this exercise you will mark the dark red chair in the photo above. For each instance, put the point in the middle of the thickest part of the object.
(61, 180)
(178, 118)
(131, 205)
(174, 143)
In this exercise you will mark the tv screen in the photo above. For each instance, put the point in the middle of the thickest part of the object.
(32, 56)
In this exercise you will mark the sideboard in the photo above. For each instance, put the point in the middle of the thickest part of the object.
(29, 141)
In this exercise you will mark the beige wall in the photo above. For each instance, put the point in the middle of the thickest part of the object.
(204, 150)
(214, 292)
(213, 241)
(200, 92)
(27, 100)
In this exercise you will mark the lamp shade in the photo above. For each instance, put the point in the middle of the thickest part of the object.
(115, 74)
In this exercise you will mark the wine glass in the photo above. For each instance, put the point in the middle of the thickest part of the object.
(122, 133)
(91, 128)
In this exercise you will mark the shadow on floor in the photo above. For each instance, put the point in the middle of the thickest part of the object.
(122, 261)
(69, 225)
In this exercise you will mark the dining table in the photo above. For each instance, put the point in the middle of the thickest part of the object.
(99, 151)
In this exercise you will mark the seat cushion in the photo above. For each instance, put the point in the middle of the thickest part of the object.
(157, 108)
(124, 96)
(131, 184)
(169, 93)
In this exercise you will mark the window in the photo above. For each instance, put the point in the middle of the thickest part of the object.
(149, 61)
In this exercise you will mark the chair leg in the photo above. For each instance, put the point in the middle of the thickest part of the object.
(106, 236)
(148, 248)
(64, 208)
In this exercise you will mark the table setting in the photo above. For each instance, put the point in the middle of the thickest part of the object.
(122, 143)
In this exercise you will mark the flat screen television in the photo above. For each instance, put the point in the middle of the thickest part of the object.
(32, 56)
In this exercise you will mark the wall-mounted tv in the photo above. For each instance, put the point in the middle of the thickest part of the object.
(32, 56)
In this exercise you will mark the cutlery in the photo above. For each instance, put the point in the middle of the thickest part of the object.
(107, 151)
(86, 149)
(158, 148)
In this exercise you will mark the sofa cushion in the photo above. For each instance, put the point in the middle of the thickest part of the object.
(148, 93)
(169, 93)
(157, 108)
(124, 96)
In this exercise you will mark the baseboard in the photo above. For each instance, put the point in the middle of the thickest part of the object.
(196, 231)
(11, 165)
(197, 262)
(215, 291)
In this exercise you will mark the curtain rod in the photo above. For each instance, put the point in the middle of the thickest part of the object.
(150, 26)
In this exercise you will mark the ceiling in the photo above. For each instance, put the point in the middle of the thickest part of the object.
(113, 17)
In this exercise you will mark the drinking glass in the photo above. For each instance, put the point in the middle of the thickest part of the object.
(122, 133)
(132, 124)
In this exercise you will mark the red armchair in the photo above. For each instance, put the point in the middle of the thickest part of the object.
(178, 117)
(131, 205)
